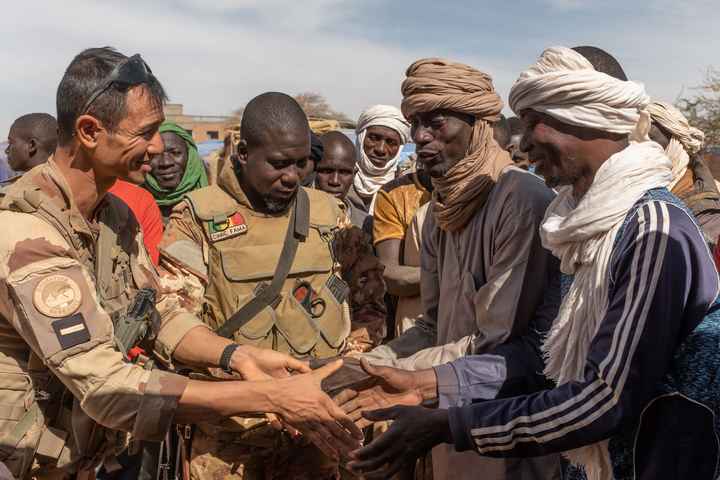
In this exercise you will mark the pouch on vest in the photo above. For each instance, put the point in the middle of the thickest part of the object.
(238, 265)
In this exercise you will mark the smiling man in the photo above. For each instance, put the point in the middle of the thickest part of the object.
(81, 306)
(632, 351)
(177, 171)
(381, 133)
(260, 248)
(483, 270)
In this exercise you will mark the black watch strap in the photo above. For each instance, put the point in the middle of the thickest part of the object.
(226, 356)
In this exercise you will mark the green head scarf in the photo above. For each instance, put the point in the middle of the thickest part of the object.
(193, 178)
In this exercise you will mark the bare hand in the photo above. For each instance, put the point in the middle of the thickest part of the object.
(256, 364)
(301, 403)
(393, 387)
(414, 431)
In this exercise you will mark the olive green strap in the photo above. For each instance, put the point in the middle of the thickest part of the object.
(297, 231)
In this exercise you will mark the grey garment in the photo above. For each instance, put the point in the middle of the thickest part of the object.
(480, 288)
(359, 218)
(355, 200)
(460, 383)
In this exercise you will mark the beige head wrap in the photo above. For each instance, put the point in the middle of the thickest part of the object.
(581, 232)
(685, 140)
(437, 84)
(565, 85)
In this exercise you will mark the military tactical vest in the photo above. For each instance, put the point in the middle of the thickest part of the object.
(36, 411)
(243, 251)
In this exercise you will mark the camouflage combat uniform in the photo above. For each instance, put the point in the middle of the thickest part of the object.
(66, 393)
(216, 237)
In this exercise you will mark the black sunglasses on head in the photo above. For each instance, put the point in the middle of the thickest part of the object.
(131, 72)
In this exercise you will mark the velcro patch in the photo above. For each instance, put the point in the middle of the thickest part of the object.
(338, 288)
(57, 296)
(71, 331)
(228, 228)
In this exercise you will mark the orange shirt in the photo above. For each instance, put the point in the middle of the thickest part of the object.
(143, 205)
(395, 205)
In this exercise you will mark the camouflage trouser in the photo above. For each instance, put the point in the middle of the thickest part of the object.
(223, 455)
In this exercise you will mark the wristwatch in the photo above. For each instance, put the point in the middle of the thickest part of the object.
(227, 356)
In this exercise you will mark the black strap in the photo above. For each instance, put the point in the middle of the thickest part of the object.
(297, 231)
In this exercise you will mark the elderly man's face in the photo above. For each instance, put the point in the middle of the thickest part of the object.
(381, 144)
(442, 139)
(553, 148)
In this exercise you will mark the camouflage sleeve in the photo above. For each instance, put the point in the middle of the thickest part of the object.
(177, 316)
(49, 299)
(183, 270)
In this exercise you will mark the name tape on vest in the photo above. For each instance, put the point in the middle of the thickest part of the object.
(231, 227)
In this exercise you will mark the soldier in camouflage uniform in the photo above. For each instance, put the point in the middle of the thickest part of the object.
(72, 263)
(231, 238)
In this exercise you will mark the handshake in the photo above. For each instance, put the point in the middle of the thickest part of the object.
(361, 395)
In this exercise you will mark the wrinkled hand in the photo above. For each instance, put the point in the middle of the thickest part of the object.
(393, 387)
(301, 403)
(256, 364)
(413, 432)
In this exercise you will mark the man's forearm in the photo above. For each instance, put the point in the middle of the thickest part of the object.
(212, 401)
(402, 281)
(202, 348)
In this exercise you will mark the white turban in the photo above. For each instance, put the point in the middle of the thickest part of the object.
(565, 85)
(685, 140)
(370, 177)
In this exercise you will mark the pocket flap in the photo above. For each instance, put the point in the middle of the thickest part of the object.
(258, 262)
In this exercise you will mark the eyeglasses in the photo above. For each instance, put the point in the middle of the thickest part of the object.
(131, 72)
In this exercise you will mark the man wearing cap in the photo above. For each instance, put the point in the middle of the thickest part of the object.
(637, 330)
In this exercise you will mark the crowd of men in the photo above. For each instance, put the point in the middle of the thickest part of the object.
(535, 297)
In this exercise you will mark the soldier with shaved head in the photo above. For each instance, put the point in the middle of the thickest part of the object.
(259, 247)
(84, 315)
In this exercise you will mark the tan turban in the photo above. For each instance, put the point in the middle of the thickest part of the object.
(437, 84)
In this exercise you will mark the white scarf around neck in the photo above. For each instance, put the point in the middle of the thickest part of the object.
(581, 234)
(370, 177)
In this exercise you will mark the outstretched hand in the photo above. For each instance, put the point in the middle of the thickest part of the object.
(302, 404)
(414, 431)
(392, 387)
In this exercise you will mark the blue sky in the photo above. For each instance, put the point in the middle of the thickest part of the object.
(215, 55)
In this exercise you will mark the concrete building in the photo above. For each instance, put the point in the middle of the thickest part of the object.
(201, 127)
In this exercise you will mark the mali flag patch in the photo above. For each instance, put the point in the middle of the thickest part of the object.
(230, 227)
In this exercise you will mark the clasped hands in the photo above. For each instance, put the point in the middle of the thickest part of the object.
(395, 395)
(334, 427)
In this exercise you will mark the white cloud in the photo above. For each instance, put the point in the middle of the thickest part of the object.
(214, 56)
